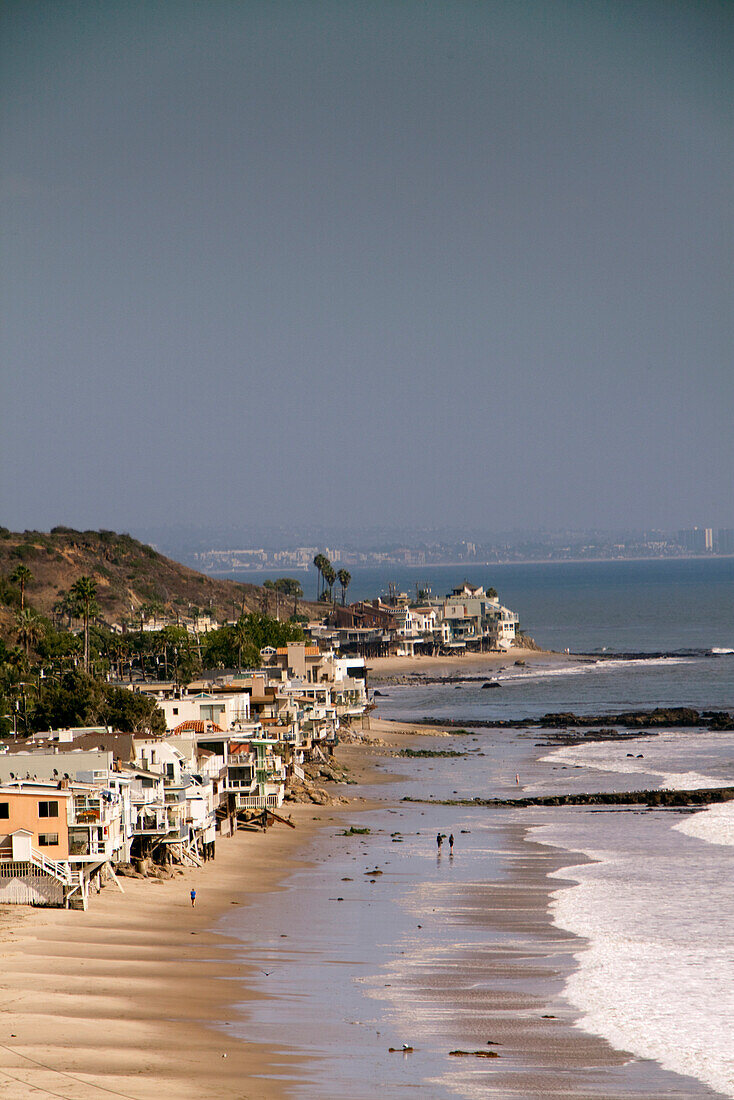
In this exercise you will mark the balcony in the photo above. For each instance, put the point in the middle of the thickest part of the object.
(256, 802)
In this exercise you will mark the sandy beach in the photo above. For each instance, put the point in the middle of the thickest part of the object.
(134, 998)
(383, 668)
(128, 999)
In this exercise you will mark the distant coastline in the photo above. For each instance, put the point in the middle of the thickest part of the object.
(266, 572)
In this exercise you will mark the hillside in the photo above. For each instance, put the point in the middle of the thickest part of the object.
(129, 576)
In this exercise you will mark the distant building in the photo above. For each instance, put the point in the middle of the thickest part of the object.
(725, 540)
(697, 540)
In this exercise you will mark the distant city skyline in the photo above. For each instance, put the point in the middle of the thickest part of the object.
(272, 555)
(337, 265)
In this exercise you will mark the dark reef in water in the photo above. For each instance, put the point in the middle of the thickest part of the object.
(669, 717)
(701, 797)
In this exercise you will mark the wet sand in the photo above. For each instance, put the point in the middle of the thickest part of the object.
(507, 997)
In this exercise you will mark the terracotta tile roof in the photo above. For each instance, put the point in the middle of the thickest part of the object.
(195, 725)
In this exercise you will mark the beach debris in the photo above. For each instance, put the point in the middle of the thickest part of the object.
(548, 1017)
(474, 1054)
(353, 831)
(404, 1049)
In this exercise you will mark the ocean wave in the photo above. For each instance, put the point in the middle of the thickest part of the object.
(611, 664)
(621, 757)
(651, 980)
(721, 651)
(715, 825)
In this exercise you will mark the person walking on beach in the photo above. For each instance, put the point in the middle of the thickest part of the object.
(193, 898)
(439, 841)
(451, 844)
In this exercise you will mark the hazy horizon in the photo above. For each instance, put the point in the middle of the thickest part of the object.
(337, 265)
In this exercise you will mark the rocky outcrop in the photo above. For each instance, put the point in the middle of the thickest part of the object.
(702, 797)
(300, 791)
(660, 717)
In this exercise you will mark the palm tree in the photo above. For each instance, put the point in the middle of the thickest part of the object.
(30, 627)
(329, 576)
(241, 638)
(320, 561)
(85, 589)
(289, 586)
(296, 591)
(21, 575)
(345, 578)
(268, 589)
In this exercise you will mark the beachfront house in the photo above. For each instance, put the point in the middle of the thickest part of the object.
(256, 774)
(189, 797)
(56, 839)
(100, 822)
(222, 708)
(34, 844)
(477, 620)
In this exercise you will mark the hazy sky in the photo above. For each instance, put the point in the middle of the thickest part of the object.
(371, 263)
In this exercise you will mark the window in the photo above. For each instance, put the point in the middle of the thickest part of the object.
(48, 809)
(175, 710)
(48, 840)
(4, 810)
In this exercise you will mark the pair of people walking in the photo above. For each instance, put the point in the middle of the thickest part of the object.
(440, 837)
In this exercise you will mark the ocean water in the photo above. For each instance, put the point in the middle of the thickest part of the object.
(592, 686)
(640, 951)
(655, 907)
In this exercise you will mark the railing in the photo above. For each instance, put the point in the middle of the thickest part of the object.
(256, 801)
(57, 869)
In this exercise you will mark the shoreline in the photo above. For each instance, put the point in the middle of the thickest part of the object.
(383, 668)
(127, 1000)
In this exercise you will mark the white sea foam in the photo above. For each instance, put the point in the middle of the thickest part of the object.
(721, 650)
(614, 664)
(660, 757)
(655, 978)
(715, 824)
